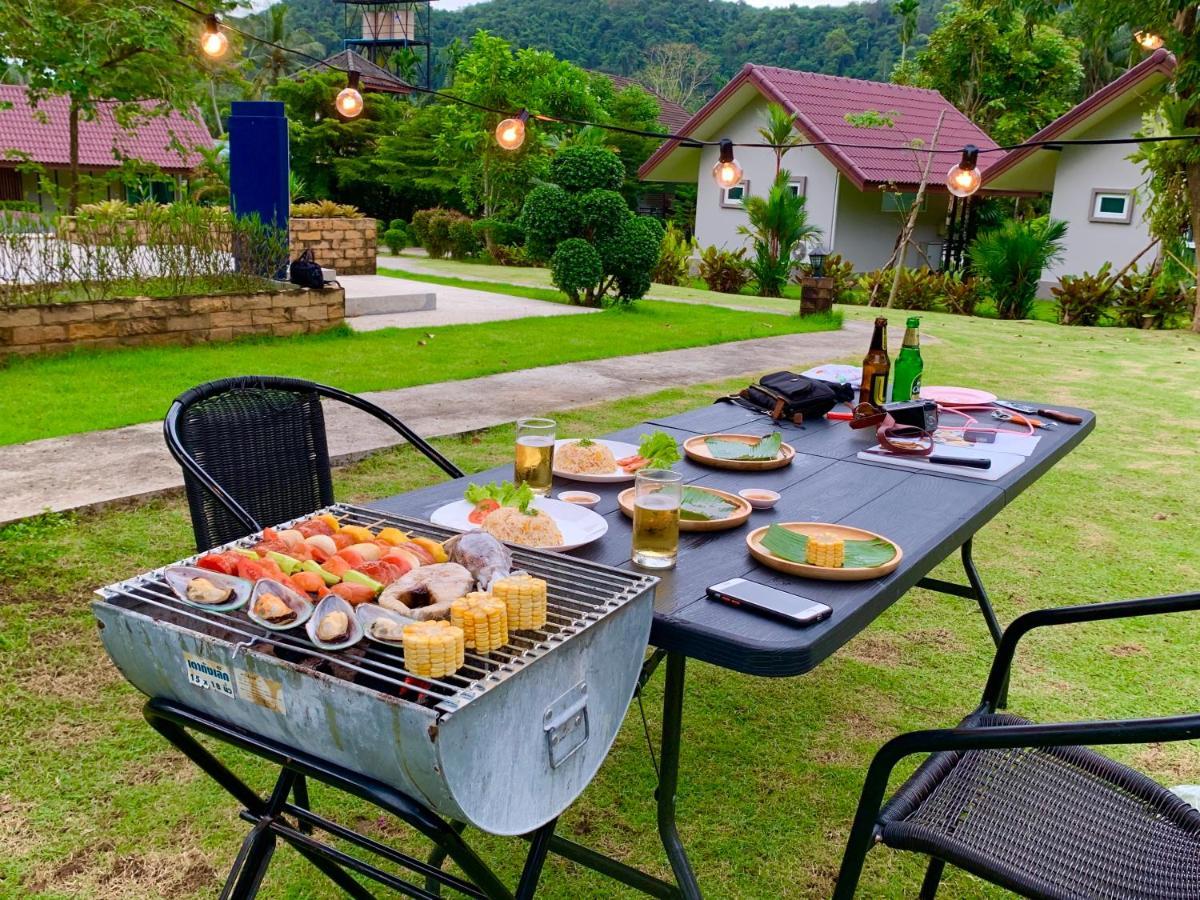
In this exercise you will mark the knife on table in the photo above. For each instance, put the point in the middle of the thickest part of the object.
(1056, 414)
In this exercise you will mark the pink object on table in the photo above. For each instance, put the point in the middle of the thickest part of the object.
(956, 396)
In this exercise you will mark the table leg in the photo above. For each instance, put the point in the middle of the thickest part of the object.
(974, 591)
(668, 777)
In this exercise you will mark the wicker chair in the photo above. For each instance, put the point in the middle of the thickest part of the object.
(253, 451)
(1029, 807)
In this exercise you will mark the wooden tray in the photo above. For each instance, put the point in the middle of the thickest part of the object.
(767, 558)
(625, 499)
(697, 450)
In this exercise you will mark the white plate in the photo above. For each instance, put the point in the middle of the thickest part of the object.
(578, 524)
(619, 449)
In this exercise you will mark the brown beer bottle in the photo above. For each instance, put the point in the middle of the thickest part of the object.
(876, 367)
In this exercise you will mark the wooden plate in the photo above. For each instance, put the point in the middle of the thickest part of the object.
(625, 499)
(697, 450)
(769, 559)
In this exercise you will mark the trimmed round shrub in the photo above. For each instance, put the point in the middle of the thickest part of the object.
(500, 232)
(575, 267)
(549, 212)
(632, 249)
(601, 212)
(464, 242)
(585, 168)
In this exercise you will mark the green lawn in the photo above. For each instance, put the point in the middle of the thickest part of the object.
(107, 389)
(93, 804)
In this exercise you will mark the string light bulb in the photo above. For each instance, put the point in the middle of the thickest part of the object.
(349, 101)
(1148, 40)
(727, 172)
(213, 42)
(964, 179)
(510, 133)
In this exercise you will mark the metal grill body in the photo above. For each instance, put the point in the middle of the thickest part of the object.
(505, 744)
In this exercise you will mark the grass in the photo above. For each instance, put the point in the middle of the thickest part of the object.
(93, 804)
(108, 389)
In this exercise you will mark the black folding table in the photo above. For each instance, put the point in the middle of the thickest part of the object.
(930, 515)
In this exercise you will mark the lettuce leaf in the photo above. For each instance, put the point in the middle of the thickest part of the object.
(659, 450)
(506, 494)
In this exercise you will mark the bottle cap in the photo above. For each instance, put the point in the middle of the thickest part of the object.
(913, 322)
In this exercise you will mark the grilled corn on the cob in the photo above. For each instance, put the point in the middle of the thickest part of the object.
(433, 649)
(825, 550)
(525, 597)
(483, 619)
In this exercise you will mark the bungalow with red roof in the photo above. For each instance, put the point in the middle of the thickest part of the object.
(1097, 190)
(39, 134)
(856, 193)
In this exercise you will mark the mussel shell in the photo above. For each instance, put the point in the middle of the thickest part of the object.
(334, 603)
(179, 576)
(369, 613)
(301, 606)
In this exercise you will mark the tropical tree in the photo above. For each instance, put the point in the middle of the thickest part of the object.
(1010, 83)
(105, 53)
(779, 130)
(273, 62)
(1010, 260)
(779, 228)
(906, 11)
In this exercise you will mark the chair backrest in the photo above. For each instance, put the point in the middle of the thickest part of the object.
(258, 440)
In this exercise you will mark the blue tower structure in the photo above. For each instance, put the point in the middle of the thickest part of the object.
(382, 29)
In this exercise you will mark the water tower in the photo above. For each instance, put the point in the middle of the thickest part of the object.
(380, 30)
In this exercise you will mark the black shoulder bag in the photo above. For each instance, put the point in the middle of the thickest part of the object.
(306, 271)
(786, 395)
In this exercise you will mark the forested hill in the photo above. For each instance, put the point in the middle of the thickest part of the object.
(860, 40)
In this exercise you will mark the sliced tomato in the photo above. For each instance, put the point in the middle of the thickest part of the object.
(342, 541)
(254, 569)
(308, 582)
(318, 553)
(272, 545)
(225, 563)
(355, 559)
(481, 511)
(314, 526)
(405, 562)
(353, 594)
(382, 571)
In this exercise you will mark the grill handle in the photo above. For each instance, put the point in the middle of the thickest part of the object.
(565, 724)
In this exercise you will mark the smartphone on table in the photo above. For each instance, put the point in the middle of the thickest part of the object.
(769, 601)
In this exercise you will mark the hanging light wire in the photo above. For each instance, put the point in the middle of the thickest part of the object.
(687, 141)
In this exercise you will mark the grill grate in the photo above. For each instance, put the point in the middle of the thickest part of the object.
(579, 594)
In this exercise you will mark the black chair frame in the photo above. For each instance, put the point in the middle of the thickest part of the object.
(199, 481)
(866, 831)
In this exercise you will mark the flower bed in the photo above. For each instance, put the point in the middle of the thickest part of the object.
(177, 320)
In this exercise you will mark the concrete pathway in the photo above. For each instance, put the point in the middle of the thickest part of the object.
(455, 305)
(100, 467)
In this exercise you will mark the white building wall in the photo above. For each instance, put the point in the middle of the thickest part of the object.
(866, 235)
(1080, 171)
(717, 225)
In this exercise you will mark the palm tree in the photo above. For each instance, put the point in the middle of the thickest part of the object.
(780, 132)
(779, 227)
(906, 11)
(1011, 258)
(273, 62)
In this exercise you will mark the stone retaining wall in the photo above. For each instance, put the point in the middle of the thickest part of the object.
(347, 245)
(180, 320)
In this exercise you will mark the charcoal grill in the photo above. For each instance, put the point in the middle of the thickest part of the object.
(505, 744)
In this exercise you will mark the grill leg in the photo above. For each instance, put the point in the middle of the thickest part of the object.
(300, 793)
(437, 856)
(933, 877)
(668, 777)
(538, 848)
(258, 848)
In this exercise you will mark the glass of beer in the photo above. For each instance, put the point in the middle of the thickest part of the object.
(535, 454)
(657, 497)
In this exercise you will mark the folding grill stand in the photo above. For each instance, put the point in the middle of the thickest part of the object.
(172, 721)
(268, 817)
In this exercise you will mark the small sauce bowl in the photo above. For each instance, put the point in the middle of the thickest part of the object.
(759, 498)
(579, 498)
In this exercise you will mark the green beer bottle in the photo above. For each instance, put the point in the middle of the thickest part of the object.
(906, 382)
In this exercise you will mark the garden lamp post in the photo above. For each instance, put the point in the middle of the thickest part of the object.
(816, 260)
